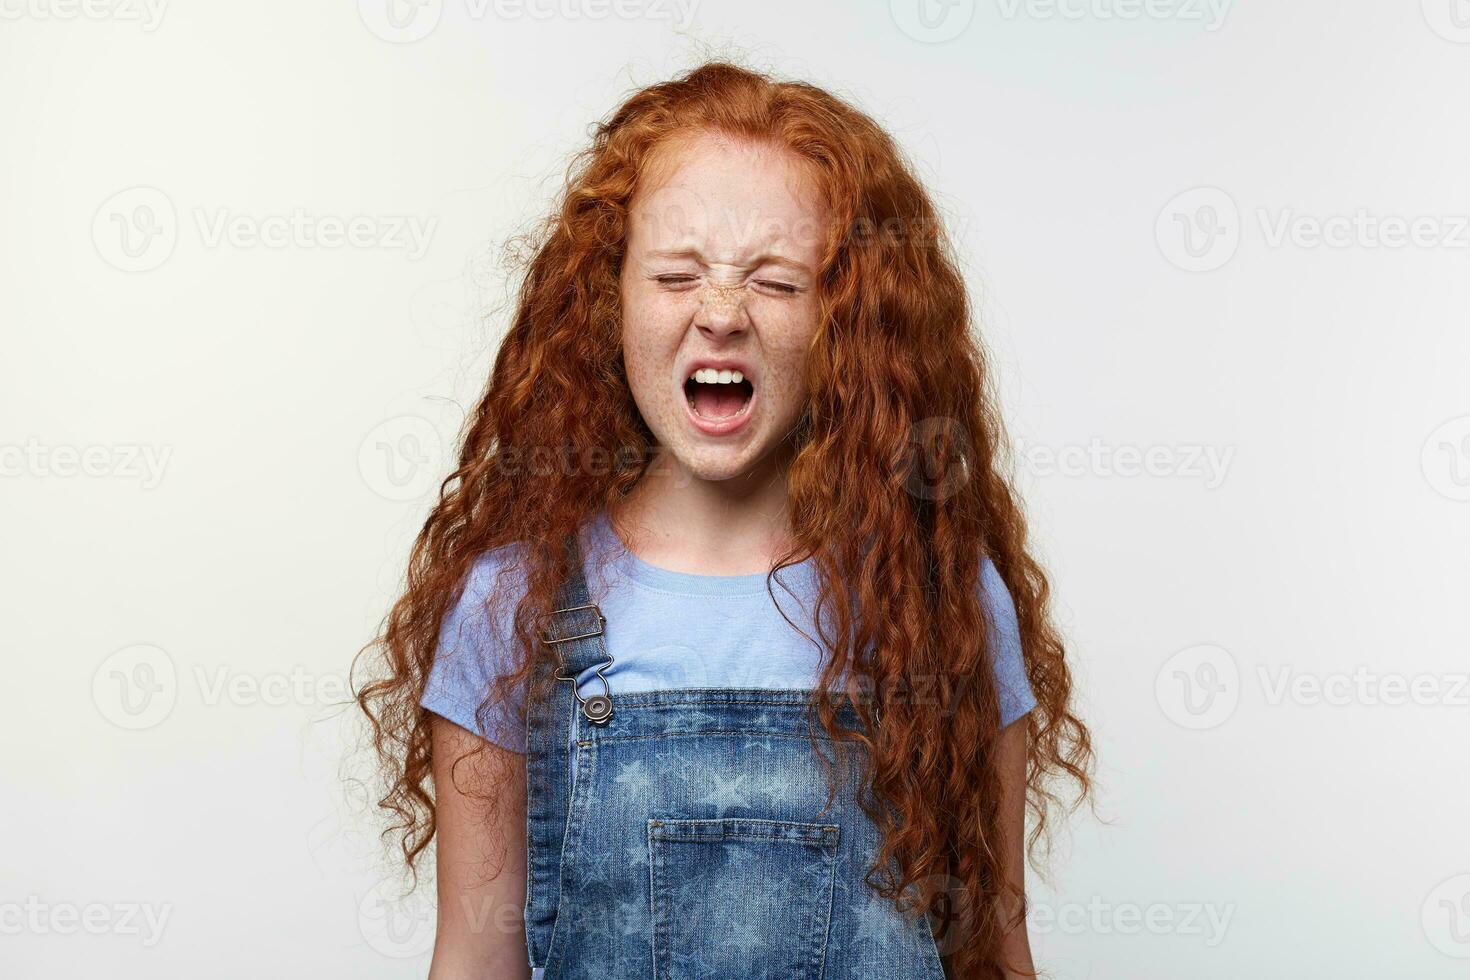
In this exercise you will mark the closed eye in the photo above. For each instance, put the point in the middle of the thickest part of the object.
(783, 287)
(680, 279)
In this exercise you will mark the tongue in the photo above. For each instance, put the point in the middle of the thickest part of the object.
(714, 401)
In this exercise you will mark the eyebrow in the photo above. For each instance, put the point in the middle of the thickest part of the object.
(774, 258)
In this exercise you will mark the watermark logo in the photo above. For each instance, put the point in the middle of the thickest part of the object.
(136, 687)
(1198, 687)
(1445, 459)
(1445, 917)
(400, 21)
(950, 913)
(938, 458)
(395, 924)
(401, 459)
(136, 229)
(1450, 19)
(932, 21)
(1199, 229)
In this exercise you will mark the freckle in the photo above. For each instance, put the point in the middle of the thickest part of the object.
(722, 299)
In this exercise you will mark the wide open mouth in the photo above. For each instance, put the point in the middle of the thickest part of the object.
(714, 399)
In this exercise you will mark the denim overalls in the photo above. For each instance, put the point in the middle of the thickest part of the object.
(689, 842)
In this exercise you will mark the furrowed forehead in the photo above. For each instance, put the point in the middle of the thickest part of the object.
(721, 201)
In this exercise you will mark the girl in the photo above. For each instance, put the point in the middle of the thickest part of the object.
(722, 655)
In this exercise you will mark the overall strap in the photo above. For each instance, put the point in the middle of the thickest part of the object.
(574, 632)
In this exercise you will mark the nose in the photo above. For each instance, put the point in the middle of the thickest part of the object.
(721, 309)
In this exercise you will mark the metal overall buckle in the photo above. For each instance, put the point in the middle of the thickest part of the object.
(598, 708)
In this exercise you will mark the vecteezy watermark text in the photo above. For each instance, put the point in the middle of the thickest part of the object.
(1200, 230)
(136, 230)
(138, 687)
(406, 21)
(40, 918)
(1210, 13)
(934, 23)
(148, 13)
(1200, 687)
(1363, 229)
(1099, 916)
(122, 461)
(1365, 686)
(1187, 461)
(407, 233)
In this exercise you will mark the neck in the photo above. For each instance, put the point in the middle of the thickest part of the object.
(676, 521)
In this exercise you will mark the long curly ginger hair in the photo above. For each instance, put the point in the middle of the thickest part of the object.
(896, 490)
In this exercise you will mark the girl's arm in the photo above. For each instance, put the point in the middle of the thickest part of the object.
(1011, 764)
(481, 857)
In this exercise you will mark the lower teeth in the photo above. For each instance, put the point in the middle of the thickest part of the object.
(715, 399)
(718, 418)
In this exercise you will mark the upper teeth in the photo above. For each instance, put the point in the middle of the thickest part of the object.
(713, 376)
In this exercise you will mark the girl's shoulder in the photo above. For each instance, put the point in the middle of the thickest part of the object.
(495, 581)
(1007, 655)
(493, 564)
(997, 597)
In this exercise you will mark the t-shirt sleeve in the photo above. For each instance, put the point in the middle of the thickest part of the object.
(473, 649)
(1016, 697)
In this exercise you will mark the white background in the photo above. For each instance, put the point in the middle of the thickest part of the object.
(176, 632)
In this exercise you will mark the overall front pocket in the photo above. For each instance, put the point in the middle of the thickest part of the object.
(740, 897)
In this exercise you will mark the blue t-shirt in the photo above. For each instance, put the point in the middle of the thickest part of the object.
(668, 630)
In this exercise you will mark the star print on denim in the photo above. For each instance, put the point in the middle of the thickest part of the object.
(773, 785)
(637, 854)
(687, 862)
(633, 775)
(725, 794)
(783, 888)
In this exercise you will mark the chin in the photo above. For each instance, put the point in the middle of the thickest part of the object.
(714, 465)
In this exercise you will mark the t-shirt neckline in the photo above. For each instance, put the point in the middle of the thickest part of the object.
(684, 583)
